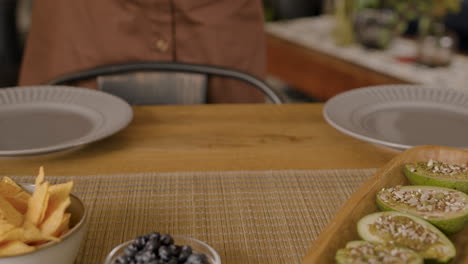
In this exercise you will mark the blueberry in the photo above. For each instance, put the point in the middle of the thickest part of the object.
(131, 250)
(197, 259)
(123, 260)
(185, 252)
(164, 253)
(140, 242)
(166, 240)
(153, 244)
(145, 256)
(154, 235)
(175, 249)
(173, 260)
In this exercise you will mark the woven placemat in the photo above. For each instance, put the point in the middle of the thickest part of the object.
(247, 217)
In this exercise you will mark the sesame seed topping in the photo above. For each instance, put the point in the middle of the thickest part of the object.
(430, 163)
(430, 201)
(405, 231)
(367, 252)
(442, 168)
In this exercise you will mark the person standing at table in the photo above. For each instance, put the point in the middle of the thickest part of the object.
(68, 36)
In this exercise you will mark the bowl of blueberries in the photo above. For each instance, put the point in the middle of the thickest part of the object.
(156, 248)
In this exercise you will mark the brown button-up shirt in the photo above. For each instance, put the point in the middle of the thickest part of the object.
(68, 35)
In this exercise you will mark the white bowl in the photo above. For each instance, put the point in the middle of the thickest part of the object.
(66, 250)
(196, 245)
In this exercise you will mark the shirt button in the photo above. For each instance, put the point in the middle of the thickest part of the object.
(161, 45)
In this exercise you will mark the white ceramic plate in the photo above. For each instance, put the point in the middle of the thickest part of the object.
(401, 116)
(42, 119)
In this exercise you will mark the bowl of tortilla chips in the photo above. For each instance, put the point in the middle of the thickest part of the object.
(40, 223)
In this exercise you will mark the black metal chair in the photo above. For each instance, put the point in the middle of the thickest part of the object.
(149, 83)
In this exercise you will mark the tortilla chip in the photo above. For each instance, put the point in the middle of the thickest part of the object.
(53, 222)
(15, 234)
(37, 205)
(61, 190)
(8, 187)
(32, 234)
(64, 226)
(14, 248)
(58, 194)
(14, 194)
(40, 176)
(19, 201)
(28, 233)
(9, 213)
(5, 227)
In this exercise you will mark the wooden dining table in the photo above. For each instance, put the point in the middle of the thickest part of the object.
(258, 182)
(213, 138)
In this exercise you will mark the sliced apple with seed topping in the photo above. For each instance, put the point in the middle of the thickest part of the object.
(445, 208)
(404, 230)
(437, 173)
(364, 252)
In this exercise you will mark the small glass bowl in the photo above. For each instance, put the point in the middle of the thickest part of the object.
(196, 245)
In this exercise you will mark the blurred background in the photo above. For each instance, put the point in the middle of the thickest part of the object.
(369, 21)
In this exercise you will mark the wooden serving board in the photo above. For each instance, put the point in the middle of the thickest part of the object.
(342, 228)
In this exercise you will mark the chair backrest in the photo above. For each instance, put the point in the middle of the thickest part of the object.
(146, 83)
(151, 88)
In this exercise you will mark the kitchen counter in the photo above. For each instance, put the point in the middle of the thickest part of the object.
(311, 38)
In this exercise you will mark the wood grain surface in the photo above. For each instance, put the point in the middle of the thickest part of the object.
(212, 138)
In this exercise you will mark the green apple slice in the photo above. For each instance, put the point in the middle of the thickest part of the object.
(445, 208)
(404, 230)
(364, 252)
(436, 173)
